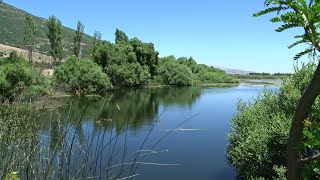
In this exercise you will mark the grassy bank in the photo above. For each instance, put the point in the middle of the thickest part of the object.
(261, 76)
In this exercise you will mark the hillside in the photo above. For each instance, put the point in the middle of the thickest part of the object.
(12, 27)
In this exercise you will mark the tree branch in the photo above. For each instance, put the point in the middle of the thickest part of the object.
(312, 158)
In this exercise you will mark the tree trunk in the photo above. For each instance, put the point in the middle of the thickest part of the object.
(296, 130)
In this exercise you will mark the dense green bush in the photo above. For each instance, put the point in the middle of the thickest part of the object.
(82, 76)
(19, 80)
(173, 73)
(126, 75)
(127, 62)
(258, 139)
(200, 73)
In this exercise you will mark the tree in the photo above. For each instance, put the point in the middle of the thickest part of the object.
(29, 35)
(145, 54)
(19, 80)
(77, 40)
(55, 38)
(306, 15)
(121, 37)
(173, 73)
(82, 77)
(96, 41)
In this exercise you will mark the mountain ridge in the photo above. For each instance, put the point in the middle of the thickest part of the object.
(12, 26)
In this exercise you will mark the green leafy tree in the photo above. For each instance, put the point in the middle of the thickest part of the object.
(305, 15)
(19, 80)
(30, 36)
(128, 75)
(145, 54)
(82, 77)
(121, 37)
(77, 40)
(55, 38)
(96, 41)
(134, 54)
(173, 73)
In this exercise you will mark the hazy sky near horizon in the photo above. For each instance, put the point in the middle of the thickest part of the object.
(219, 33)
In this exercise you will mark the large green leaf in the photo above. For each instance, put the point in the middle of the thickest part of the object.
(298, 56)
(269, 10)
(287, 26)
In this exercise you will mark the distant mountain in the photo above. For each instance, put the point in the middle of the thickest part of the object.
(235, 71)
(12, 28)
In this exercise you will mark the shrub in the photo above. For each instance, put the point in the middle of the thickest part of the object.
(258, 139)
(127, 75)
(18, 79)
(173, 73)
(82, 76)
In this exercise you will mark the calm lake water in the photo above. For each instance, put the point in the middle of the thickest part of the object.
(172, 133)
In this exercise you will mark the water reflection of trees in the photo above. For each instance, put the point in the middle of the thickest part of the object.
(77, 129)
(137, 107)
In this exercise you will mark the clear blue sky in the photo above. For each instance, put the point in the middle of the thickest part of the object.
(220, 33)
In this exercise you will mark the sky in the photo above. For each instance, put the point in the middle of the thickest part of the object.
(218, 33)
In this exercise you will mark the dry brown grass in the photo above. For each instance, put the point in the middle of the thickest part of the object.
(38, 57)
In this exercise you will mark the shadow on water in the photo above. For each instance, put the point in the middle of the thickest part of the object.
(140, 105)
(90, 136)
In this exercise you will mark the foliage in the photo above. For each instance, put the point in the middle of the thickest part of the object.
(82, 76)
(13, 58)
(145, 54)
(96, 41)
(30, 35)
(19, 80)
(200, 73)
(293, 14)
(77, 40)
(128, 75)
(12, 176)
(260, 129)
(173, 73)
(303, 14)
(128, 62)
(121, 37)
(55, 38)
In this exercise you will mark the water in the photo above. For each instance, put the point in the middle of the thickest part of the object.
(186, 129)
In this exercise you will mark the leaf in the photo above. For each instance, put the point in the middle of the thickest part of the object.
(287, 26)
(292, 17)
(269, 10)
(299, 36)
(313, 142)
(298, 56)
(308, 134)
(297, 43)
(275, 19)
(303, 3)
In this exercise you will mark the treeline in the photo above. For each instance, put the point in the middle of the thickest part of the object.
(124, 63)
(268, 74)
(132, 63)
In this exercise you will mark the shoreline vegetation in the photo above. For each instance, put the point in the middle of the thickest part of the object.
(105, 66)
